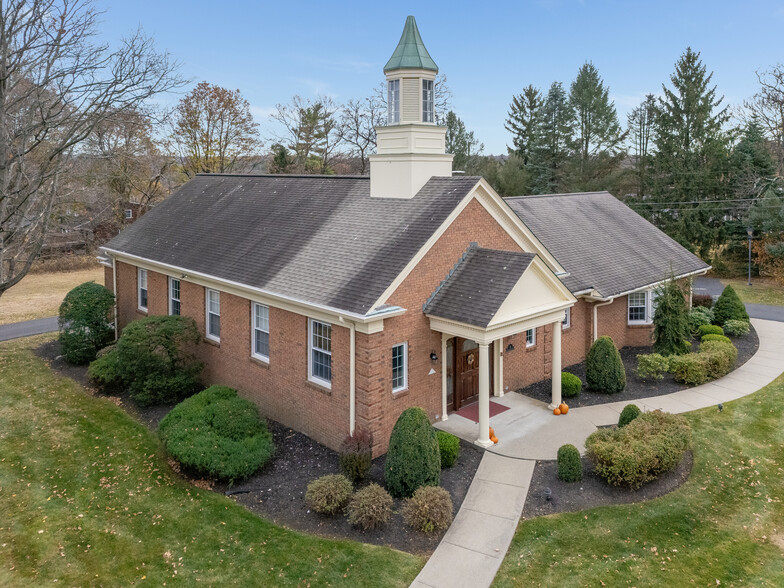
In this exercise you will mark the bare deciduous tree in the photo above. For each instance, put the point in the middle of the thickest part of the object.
(56, 86)
(358, 119)
(768, 107)
(311, 132)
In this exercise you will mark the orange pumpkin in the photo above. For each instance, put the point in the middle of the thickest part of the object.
(494, 439)
(492, 433)
(564, 408)
(557, 411)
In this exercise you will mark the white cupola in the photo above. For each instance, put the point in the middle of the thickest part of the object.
(410, 149)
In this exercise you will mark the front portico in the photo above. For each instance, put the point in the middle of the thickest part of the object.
(488, 296)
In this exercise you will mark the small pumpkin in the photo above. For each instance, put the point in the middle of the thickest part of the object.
(494, 439)
(492, 433)
(564, 408)
(557, 411)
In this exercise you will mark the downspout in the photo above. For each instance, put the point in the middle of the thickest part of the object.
(352, 381)
(596, 315)
(114, 291)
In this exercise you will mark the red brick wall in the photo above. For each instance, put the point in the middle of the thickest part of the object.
(612, 321)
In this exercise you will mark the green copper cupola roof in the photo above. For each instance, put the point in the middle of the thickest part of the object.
(410, 52)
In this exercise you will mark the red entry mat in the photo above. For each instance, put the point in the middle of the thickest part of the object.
(472, 410)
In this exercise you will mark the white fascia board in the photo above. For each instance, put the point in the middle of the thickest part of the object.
(700, 272)
(365, 323)
(487, 336)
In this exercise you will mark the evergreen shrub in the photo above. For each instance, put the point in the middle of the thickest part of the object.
(428, 510)
(370, 507)
(571, 385)
(85, 322)
(604, 371)
(698, 317)
(729, 307)
(328, 494)
(570, 466)
(652, 366)
(628, 414)
(413, 458)
(701, 301)
(448, 448)
(737, 328)
(712, 337)
(710, 330)
(671, 321)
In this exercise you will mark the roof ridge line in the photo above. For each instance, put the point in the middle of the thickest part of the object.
(319, 176)
(559, 194)
(473, 246)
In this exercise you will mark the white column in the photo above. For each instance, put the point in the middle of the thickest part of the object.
(498, 371)
(556, 365)
(484, 396)
(444, 367)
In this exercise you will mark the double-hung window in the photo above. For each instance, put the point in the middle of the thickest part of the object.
(393, 101)
(174, 296)
(567, 322)
(400, 367)
(428, 102)
(320, 352)
(260, 332)
(530, 337)
(638, 308)
(142, 280)
(213, 315)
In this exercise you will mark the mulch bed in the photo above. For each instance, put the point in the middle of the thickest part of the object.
(277, 492)
(635, 387)
(592, 490)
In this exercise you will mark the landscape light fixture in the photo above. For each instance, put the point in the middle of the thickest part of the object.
(750, 233)
(721, 407)
(433, 356)
(548, 494)
(510, 347)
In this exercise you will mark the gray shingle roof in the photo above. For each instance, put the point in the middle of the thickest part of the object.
(319, 239)
(480, 282)
(603, 243)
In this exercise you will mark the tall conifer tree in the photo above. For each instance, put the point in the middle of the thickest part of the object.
(550, 153)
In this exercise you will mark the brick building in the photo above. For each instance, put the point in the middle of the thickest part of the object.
(337, 302)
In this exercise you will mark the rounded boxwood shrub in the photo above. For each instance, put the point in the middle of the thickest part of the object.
(85, 322)
(720, 357)
(428, 510)
(710, 330)
(712, 337)
(155, 360)
(218, 435)
(652, 366)
(650, 445)
(691, 368)
(729, 307)
(448, 448)
(570, 466)
(370, 507)
(328, 494)
(737, 328)
(628, 414)
(413, 458)
(356, 455)
(604, 371)
(571, 385)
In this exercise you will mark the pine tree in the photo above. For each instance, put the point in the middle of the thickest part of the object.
(670, 321)
(460, 142)
(641, 124)
(523, 121)
(550, 152)
(597, 133)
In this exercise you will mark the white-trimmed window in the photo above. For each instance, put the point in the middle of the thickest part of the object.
(320, 353)
(567, 322)
(128, 213)
(428, 108)
(174, 296)
(393, 101)
(213, 315)
(530, 337)
(142, 280)
(400, 367)
(260, 332)
(639, 311)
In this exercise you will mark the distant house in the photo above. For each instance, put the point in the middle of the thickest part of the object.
(337, 302)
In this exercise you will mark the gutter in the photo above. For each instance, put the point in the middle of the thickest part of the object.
(597, 304)
(114, 291)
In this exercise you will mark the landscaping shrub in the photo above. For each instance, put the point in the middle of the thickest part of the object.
(370, 507)
(721, 357)
(570, 466)
(628, 414)
(737, 328)
(413, 458)
(691, 368)
(701, 300)
(712, 337)
(729, 307)
(217, 434)
(155, 359)
(571, 385)
(328, 494)
(428, 510)
(356, 455)
(698, 317)
(105, 370)
(670, 320)
(652, 366)
(650, 445)
(710, 330)
(604, 371)
(85, 322)
(448, 448)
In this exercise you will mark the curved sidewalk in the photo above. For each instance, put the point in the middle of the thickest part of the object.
(473, 548)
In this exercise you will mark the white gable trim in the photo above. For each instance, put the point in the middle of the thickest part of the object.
(483, 193)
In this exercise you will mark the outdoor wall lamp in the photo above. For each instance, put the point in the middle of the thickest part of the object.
(510, 347)
(433, 356)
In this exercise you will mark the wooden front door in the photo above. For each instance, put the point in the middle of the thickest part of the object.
(466, 371)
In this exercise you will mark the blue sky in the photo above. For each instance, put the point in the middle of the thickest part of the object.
(488, 50)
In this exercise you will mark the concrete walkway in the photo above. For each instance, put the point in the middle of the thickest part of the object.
(474, 546)
(28, 328)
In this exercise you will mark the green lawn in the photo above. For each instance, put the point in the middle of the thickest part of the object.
(724, 525)
(761, 292)
(87, 498)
